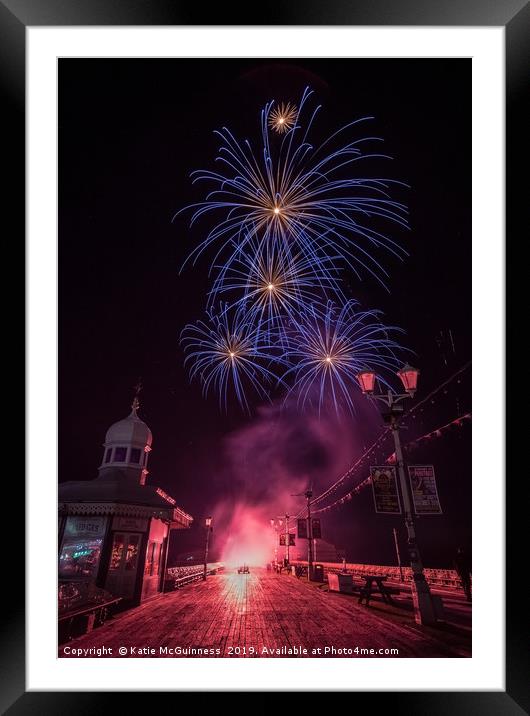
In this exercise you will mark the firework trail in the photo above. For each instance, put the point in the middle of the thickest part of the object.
(294, 193)
(288, 218)
(327, 350)
(273, 283)
(227, 352)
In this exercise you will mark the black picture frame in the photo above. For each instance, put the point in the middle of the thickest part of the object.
(514, 15)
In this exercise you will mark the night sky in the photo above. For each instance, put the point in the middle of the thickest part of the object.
(130, 133)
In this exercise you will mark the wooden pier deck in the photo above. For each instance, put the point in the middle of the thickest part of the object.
(238, 615)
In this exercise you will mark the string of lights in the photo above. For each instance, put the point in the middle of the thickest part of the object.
(382, 437)
(437, 433)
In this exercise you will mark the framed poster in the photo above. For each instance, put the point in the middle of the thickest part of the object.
(424, 490)
(385, 490)
(125, 132)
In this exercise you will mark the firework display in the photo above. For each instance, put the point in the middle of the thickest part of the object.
(283, 117)
(327, 351)
(228, 353)
(287, 222)
(274, 283)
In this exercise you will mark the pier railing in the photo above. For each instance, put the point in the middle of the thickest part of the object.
(177, 577)
(444, 578)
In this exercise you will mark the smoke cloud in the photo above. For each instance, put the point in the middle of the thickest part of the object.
(267, 464)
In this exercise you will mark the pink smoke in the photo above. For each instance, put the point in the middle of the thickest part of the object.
(278, 455)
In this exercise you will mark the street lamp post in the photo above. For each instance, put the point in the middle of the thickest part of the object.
(208, 525)
(308, 495)
(275, 528)
(398, 554)
(287, 539)
(276, 524)
(424, 610)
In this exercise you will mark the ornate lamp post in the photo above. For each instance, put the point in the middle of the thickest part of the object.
(287, 540)
(274, 527)
(208, 526)
(424, 610)
(308, 494)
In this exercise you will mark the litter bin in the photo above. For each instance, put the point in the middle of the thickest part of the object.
(340, 583)
(318, 573)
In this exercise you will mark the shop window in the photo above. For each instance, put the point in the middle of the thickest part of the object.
(131, 556)
(136, 453)
(117, 552)
(120, 454)
(79, 558)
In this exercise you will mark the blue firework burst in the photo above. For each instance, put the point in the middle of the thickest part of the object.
(228, 354)
(310, 198)
(273, 283)
(328, 349)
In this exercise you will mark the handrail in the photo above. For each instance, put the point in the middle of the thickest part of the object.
(88, 609)
(437, 577)
(185, 575)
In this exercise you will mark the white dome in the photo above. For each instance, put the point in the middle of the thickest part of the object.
(129, 431)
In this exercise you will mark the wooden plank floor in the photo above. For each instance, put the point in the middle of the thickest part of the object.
(261, 609)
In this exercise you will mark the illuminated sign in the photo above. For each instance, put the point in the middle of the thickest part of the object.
(85, 526)
(131, 524)
(165, 496)
(81, 553)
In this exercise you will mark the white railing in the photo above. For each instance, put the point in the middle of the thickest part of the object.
(179, 576)
(446, 578)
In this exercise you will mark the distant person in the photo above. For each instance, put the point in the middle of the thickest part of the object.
(463, 569)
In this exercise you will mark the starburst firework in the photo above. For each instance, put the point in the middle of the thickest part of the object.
(228, 353)
(328, 349)
(287, 220)
(307, 198)
(273, 283)
(282, 118)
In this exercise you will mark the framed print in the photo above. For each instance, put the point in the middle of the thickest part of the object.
(265, 267)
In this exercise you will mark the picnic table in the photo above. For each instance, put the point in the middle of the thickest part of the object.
(375, 583)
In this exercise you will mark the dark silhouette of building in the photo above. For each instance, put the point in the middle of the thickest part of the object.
(114, 530)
